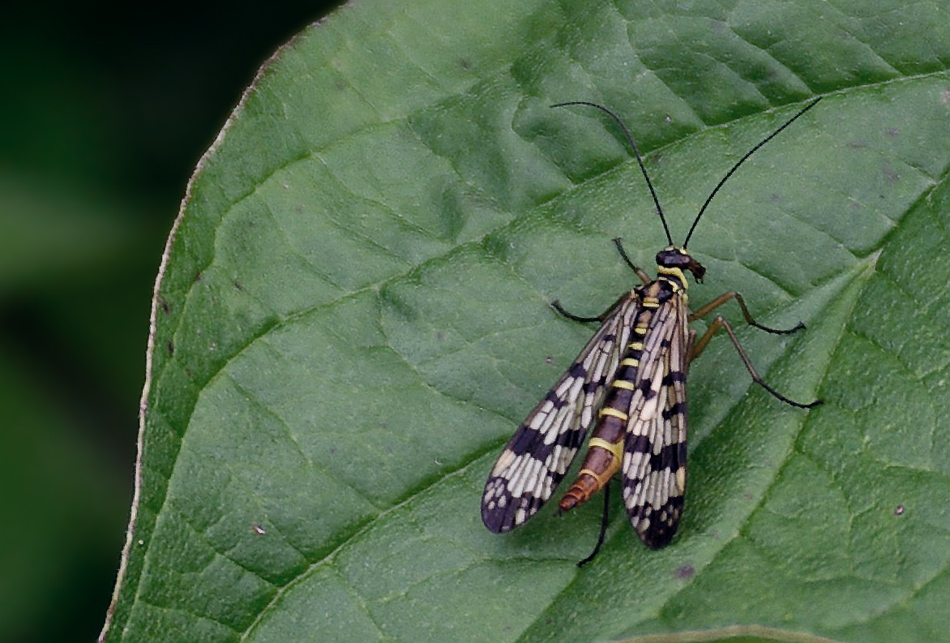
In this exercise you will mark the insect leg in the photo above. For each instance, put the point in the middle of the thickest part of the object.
(556, 305)
(603, 527)
(723, 298)
(644, 277)
(700, 346)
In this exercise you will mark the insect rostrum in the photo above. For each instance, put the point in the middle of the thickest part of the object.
(629, 383)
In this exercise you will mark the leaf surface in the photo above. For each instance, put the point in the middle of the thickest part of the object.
(352, 319)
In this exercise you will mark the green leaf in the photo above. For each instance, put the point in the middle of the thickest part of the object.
(352, 319)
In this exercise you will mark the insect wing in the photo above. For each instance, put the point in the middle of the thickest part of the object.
(541, 451)
(653, 473)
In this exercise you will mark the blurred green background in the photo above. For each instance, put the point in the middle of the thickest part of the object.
(104, 113)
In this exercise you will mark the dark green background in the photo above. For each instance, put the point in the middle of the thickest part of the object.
(104, 112)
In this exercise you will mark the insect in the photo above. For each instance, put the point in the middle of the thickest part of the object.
(629, 382)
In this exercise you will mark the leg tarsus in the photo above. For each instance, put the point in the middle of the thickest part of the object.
(556, 305)
(781, 397)
(603, 527)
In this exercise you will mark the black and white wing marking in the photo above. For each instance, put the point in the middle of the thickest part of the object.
(541, 450)
(653, 472)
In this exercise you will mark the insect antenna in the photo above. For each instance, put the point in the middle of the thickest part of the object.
(741, 161)
(636, 153)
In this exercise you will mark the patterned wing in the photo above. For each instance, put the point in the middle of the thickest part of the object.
(541, 450)
(654, 460)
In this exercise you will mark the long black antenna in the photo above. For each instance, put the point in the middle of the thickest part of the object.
(741, 161)
(636, 153)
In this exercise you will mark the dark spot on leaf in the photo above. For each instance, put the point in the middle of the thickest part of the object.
(685, 572)
(237, 284)
(170, 348)
(465, 64)
(440, 336)
(163, 304)
(899, 510)
(198, 276)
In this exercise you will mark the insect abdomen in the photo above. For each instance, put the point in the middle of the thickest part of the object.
(601, 463)
(605, 449)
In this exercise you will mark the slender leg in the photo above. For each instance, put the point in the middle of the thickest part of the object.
(644, 277)
(723, 298)
(556, 305)
(603, 527)
(718, 323)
